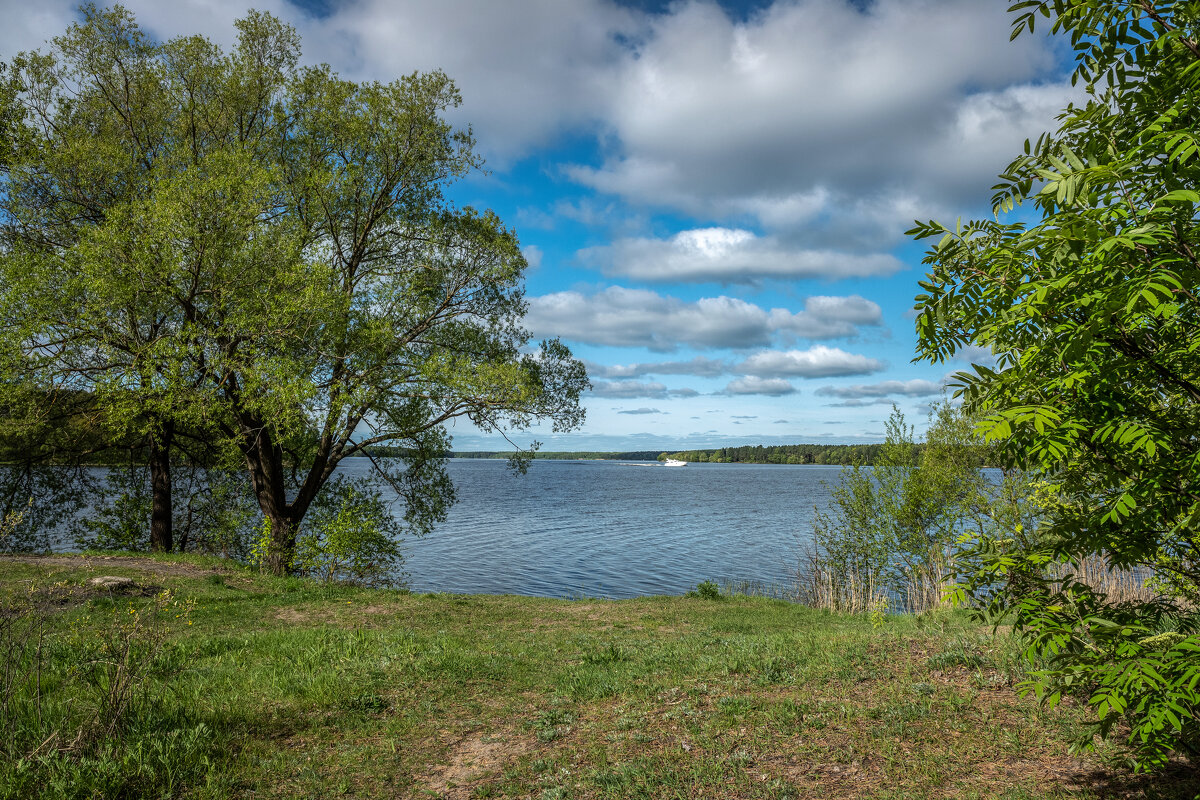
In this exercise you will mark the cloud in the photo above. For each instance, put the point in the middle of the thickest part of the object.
(698, 366)
(774, 387)
(628, 389)
(829, 317)
(528, 71)
(641, 411)
(862, 403)
(27, 26)
(533, 255)
(816, 362)
(640, 318)
(786, 114)
(974, 354)
(729, 255)
(912, 388)
(712, 115)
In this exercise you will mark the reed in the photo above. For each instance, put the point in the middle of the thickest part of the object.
(926, 585)
(823, 584)
(1119, 584)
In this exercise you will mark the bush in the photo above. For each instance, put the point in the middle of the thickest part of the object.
(352, 536)
(891, 534)
(1093, 322)
(706, 590)
(213, 511)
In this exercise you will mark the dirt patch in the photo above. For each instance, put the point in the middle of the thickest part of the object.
(377, 610)
(102, 563)
(471, 761)
(63, 596)
(291, 615)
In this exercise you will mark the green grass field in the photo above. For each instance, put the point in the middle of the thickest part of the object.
(248, 686)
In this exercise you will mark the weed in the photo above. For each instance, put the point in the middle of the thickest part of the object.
(958, 656)
(706, 590)
(610, 654)
(552, 725)
(367, 703)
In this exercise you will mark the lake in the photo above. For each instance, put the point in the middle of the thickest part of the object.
(612, 529)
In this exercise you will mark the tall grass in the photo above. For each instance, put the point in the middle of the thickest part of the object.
(821, 585)
(830, 586)
(82, 707)
(926, 587)
(1118, 584)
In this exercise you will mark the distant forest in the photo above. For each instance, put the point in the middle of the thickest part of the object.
(784, 454)
(629, 455)
(749, 454)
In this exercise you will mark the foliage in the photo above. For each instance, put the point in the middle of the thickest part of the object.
(260, 256)
(352, 536)
(706, 590)
(260, 546)
(118, 517)
(214, 510)
(1091, 313)
(893, 526)
(11, 520)
(80, 707)
(781, 454)
(217, 512)
(40, 500)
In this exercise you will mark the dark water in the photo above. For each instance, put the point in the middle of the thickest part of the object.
(596, 528)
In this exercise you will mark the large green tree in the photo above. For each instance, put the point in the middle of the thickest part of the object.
(261, 255)
(1092, 313)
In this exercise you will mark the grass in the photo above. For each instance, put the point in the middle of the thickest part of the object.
(268, 688)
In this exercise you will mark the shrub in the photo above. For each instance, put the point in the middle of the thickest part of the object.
(352, 536)
(706, 590)
(1091, 317)
(893, 527)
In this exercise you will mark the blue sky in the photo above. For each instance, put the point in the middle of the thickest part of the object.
(711, 196)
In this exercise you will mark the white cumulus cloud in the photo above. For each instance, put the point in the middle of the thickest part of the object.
(816, 362)
(912, 388)
(729, 255)
(628, 389)
(774, 387)
(623, 317)
(698, 366)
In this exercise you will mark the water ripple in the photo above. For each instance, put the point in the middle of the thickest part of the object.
(572, 528)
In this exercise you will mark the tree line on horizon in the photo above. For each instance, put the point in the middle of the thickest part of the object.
(834, 454)
(837, 454)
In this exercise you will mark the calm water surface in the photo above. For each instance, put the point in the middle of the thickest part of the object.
(607, 529)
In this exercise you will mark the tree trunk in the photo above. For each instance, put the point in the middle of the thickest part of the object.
(269, 479)
(161, 533)
(281, 550)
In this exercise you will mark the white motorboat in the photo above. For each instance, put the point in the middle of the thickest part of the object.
(672, 462)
